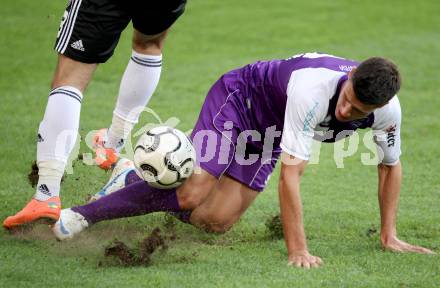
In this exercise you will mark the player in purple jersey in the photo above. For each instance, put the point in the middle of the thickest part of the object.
(250, 117)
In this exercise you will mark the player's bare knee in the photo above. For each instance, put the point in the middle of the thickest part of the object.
(70, 72)
(194, 191)
(188, 201)
(149, 48)
(148, 45)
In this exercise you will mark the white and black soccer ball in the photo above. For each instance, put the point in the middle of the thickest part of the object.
(164, 157)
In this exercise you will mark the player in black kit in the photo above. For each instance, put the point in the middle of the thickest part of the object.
(88, 34)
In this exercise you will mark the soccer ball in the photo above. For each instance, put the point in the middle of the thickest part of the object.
(164, 157)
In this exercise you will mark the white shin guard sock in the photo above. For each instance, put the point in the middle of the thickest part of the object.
(137, 86)
(118, 133)
(49, 179)
(57, 135)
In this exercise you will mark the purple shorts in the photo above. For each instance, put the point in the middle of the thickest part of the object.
(225, 139)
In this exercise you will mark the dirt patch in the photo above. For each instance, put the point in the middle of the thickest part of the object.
(121, 252)
(274, 227)
(141, 256)
(38, 230)
(151, 244)
(371, 231)
(33, 175)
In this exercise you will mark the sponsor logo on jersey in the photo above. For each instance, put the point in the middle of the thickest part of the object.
(78, 45)
(346, 68)
(309, 117)
(391, 135)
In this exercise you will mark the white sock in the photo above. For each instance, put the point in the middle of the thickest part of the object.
(118, 133)
(56, 138)
(137, 86)
(49, 179)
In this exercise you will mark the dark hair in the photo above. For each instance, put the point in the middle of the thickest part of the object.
(376, 81)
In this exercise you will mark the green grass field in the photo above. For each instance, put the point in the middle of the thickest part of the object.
(340, 205)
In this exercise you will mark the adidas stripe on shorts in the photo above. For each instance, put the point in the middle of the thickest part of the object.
(90, 29)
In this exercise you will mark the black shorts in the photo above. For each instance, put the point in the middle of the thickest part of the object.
(90, 29)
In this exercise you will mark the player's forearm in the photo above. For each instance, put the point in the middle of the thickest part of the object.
(389, 191)
(291, 214)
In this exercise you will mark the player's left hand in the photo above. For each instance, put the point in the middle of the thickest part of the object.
(396, 245)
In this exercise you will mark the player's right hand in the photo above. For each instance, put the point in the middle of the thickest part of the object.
(304, 259)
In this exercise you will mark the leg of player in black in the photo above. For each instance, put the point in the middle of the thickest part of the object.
(58, 130)
(151, 21)
(138, 84)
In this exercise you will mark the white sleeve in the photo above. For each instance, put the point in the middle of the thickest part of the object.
(386, 131)
(308, 94)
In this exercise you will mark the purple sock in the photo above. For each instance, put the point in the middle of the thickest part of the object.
(183, 216)
(135, 199)
(131, 178)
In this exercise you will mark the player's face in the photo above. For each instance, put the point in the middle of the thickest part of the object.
(349, 107)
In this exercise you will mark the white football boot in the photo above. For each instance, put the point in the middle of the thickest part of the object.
(69, 224)
(117, 179)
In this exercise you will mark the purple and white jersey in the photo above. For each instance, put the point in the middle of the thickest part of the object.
(299, 95)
